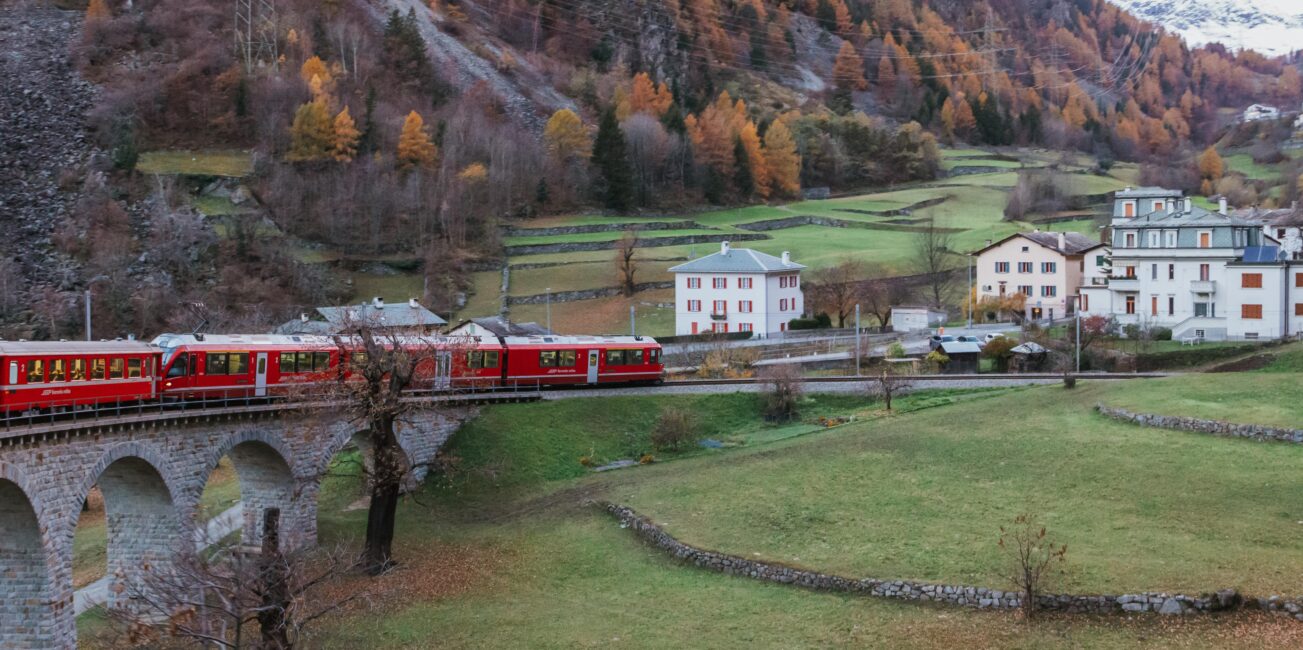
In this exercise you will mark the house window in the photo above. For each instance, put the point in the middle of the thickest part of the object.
(782, 327)
(719, 283)
(1298, 279)
(1049, 291)
(1024, 267)
(1131, 272)
(1204, 272)
(719, 307)
(694, 305)
(1251, 312)
(1085, 302)
(744, 283)
(794, 282)
(1171, 305)
(1205, 239)
(1153, 305)
(719, 328)
(1158, 205)
(694, 283)
(1298, 309)
(1171, 271)
(1171, 239)
(1025, 289)
(744, 327)
(1153, 271)
(1131, 304)
(1049, 267)
(1026, 248)
(1153, 239)
(1251, 281)
(744, 306)
(1130, 240)
(782, 304)
(1100, 260)
(1001, 267)
(1129, 209)
(1200, 310)
(782, 282)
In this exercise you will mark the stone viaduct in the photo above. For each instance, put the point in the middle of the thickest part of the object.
(151, 471)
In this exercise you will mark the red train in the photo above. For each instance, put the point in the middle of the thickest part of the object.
(41, 376)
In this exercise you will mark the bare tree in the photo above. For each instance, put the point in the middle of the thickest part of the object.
(782, 389)
(626, 260)
(835, 290)
(891, 383)
(877, 297)
(229, 596)
(1031, 554)
(932, 262)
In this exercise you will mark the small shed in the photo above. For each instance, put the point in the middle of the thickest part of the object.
(965, 357)
(1028, 357)
(908, 318)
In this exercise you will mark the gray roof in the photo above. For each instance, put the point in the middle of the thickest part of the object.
(300, 326)
(503, 327)
(1191, 217)
(960, 347)
(391, 315)
(1074, 243)
(1281, 217)
(737, 260)
(1147, 192)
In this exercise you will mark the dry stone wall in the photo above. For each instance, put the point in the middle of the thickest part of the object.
(960, 595)
(1216, 427)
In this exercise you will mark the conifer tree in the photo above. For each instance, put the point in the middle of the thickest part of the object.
(848, 69)
(565, 136)
(612, 163)
(750, 140)
(743, 181)
(312, 134)
(346, 137)
(782, 160)
(415, 148)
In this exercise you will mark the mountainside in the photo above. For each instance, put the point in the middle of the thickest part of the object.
(1273, 27)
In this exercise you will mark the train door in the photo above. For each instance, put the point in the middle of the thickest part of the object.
(260, 375)
(442, 370)
(13, 373)
(593, 355)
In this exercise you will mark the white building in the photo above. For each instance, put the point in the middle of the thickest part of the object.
(1260, 112)
(1284, 226)
(1203, 274)
(911, 318)
(1046, 267)
(737, 290)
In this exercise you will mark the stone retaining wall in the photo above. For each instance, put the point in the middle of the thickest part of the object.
(641, 226)
(585, 294)
(961, 595)
(1216, 427)
(645, 242)
(832, 222)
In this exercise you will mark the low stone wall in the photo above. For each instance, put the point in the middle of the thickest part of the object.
(585, 294)
(1216, 427)
(641, 226)
(833, 222)
(645, 242)
(961, 595)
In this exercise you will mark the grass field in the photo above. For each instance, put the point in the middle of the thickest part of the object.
(1252, 398)
(217, 162)
(1243, 163)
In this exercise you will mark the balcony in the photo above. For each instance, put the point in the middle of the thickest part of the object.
(1203, 286)
(1099, 282)
(719, 316)
(1124, 283)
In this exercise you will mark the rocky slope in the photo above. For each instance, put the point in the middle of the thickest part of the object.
(1269, 26)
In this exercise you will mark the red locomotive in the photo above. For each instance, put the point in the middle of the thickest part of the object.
(41, 376)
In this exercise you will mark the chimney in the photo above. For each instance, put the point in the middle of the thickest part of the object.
(787, 258)
(303, 317)
(1063, 242)
(411, 302)
(1171, 205)
(1221, 205)
(378, 302)
(723, 248)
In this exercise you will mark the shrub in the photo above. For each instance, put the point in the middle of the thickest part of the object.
(937, 359)
(781, 392)
(1031, 556)
(896, 350)
(1131, 331)
(803, 324)
(1161, 333)
(999, 350)
(674, 428)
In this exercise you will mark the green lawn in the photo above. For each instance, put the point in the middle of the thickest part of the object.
(1243, 163)
(214, 162)
(393, 288)
(602, 237)
(584, 275)
(1253, 398)
(951, 163)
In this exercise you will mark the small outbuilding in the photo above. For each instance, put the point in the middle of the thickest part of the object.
(909, 318)
(965, 357)
(1028, 357)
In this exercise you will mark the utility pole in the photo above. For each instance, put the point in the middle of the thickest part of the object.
(1079, 334)
(972, 295)
(857, 339)
(549, 309)
(88, 333)
(633, 327)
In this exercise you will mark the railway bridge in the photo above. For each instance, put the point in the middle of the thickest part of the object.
(151, 467)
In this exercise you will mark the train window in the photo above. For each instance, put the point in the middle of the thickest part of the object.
(615, 357)
(13, 372)
(474, 360)
(36, 371)
(321, 361)
(133, 368)
(237, 363)
(78, 368)
(654, 357)
(116, 367)
(287, 362)
(491, 359)
(634, 357)
(358, 358)
(58, 370)
(547, 359)
(567, 359)
(304, 361)
(97, 368)
(179, 366)
(216, 363)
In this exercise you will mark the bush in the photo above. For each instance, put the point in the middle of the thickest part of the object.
(674, 428)
(1161, 333)
(999, 350)
(896, 350)
(1131, 331)
(937, 359)
(803, 324)
(781, 392)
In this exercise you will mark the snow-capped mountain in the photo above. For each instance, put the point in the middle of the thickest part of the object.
(1268, 26)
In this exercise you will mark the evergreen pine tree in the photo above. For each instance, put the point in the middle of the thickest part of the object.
(743, 181)
(366, 142)
(612, 163)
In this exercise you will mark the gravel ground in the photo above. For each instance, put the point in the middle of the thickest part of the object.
(822, 387)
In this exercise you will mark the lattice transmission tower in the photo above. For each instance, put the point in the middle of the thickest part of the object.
(255, 33)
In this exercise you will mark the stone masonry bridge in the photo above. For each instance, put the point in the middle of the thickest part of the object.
(151, 472)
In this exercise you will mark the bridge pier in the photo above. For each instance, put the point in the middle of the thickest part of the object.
(152, 475)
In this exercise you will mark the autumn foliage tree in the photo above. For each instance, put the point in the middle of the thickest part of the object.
(782, 159)
(346, 137)
(565, 136)
(1211, 169)
(98, 10)
(312, 134)
(415, 148)
(848, 69)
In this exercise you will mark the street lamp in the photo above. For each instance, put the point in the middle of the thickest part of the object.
(549, 309)
(89, 283)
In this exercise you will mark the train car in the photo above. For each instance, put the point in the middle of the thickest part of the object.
(66, 375)
(573, 360)
(242, 365)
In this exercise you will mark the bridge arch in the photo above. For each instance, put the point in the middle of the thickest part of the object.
(31, 614)
(267, 480)
(145, 518)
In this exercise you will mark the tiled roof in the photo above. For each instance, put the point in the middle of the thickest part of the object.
(737, 260)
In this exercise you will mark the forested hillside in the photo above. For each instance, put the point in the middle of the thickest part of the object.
(401, 128)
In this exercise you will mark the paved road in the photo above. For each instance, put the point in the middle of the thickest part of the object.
(97, 593)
